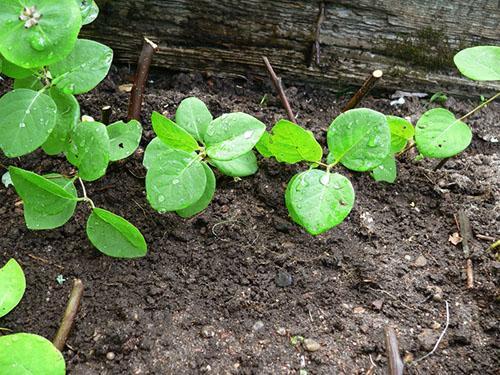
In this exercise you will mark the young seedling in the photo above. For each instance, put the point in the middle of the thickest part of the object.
(39, 48)
(33, 354)
(179, 160)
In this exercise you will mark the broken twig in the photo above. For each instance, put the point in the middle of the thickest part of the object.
(391, 345)
(69, 315)
(466, 234)
(440, 336)
(135, 103)
(106, 114)
(279, 88)
(363, 90)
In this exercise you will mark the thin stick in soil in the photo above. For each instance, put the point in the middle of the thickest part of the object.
(106, 114)
(363, 90)
(391, 344)
(69, 315)
(466, 234)
(279, 88)
(146, 57)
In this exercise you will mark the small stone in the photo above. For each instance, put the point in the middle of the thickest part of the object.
(435, 325)
(110, 356)
(207, 331)
(281, 331)
(408, 257)
(420, 261)
(437, 293)
(258, 325)
(408, 357)
(283, 279)
(377, 304)
(427, 339)
(311, 345)
(358, 310)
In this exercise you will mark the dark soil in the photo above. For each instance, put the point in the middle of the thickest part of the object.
(226, 291)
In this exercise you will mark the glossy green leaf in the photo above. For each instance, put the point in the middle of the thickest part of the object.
(232, 135)
(319, 200)
(124, 139)
(439, 134)
(480, 63)
(175, 181)
(359, 139)
(401, 132)
(31, 83)
(263, 145)
(173, 135)
(12, 286)
(289, 143)
(26, 119)
(86, 66)
(194, 117)
(31, 45)
(386, 171)
(49, 201)
(242, 166)
(288, 201)
(205, 199)
(68, 115)
(14, 71)
(114, 236)
(89, 150)
(28, 354)
(89, 10)
(154, 151)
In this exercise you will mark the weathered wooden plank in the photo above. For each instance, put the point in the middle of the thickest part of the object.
(412, 42)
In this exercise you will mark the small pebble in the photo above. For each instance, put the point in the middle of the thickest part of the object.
(408, 257)
(377, 304)
(281, 331)
(283, 279)
(110, 356)
(420, 261)
(311, 345)
(258, 325)
(207, 331)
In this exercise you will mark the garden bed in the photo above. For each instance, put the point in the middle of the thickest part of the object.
(228, 290)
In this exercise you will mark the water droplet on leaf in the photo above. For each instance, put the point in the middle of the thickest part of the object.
(38, 42)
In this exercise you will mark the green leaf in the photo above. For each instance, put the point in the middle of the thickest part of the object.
(114, 236)
(194, 117)
(205, 199)
(86, 66)
(438, 97)
(401, 132)
(49, 201)
(154, 151)
(14, 71)
(359, 139)
(12, 286)
(68, 115)
(173, 135)
(27, 354)
(50, 40)
(89, 10)
(319, 200)
(386, 171)
(124, 139)
(439, 134)
(263, 145)
(480, 63)
(26, 119)
(232, 135)
(175, 181)
(89, 150)
(289, 143)
(31, 82)
(291, 210)
(242, 166)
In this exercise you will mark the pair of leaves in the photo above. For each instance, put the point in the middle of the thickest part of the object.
(26, 353)
(42, 33)
(359, 139)
(401, 132)
(50, 201)
(93, 145)
(289, 143)
(12, 286)
(318, 200)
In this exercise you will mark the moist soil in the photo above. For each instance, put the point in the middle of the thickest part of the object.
(231, 290)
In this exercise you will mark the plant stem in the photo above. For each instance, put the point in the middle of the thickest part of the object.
(135, 103)
(85, 197)
(69, 315)
(279, 88)
(363, 90)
